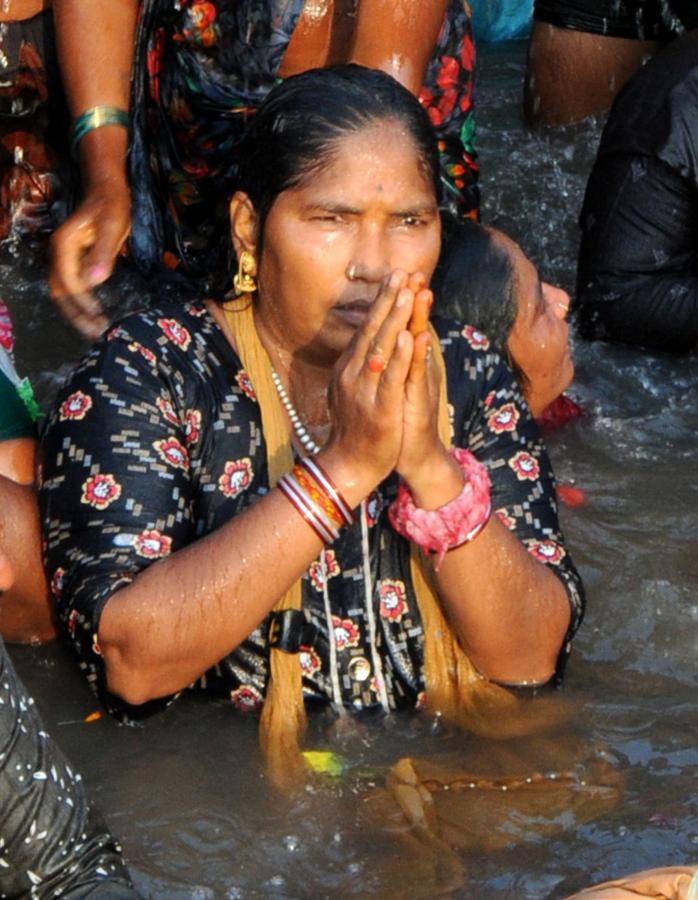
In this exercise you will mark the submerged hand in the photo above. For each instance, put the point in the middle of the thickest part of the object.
(84, 249)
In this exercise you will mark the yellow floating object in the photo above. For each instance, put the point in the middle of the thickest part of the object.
(93, 716)
(324, 762)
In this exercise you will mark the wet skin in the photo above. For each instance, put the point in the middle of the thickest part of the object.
(539, 339)
(369, 211)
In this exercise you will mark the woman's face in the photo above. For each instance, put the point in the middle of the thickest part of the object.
(330, 242)
(539, 339)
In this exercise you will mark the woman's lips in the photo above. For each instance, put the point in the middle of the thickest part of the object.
(354, 312)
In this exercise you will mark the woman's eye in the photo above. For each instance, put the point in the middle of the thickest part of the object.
(412, 221)
(330, 218)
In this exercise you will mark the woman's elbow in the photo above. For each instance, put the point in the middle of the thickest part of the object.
(132, 683)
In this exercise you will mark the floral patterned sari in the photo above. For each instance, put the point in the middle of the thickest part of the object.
(202, 67)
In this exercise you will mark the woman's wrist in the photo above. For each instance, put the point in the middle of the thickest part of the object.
(455, 522)
(102, 155)
(354, 482)
(437, 480)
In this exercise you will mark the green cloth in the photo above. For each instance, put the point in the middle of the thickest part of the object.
(15, 418)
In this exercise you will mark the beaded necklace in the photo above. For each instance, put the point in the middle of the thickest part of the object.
(311, 447)
(302, 435)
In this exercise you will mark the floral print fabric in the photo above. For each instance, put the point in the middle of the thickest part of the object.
(37, 175)
(156, 440)
(202, 68)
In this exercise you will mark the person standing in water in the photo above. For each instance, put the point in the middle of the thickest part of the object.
(281, 497)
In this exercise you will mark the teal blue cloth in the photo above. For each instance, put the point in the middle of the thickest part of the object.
(501, 20)
(15, 418)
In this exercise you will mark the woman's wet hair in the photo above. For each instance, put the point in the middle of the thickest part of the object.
(297, 130)
(475, 282)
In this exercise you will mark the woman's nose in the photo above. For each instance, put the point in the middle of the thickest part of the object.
(557, 299)
(370, 259)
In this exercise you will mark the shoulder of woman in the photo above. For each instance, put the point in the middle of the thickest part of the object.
(468, 352)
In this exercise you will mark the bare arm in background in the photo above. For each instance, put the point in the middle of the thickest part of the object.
(95, 46)
(394, 35)
(25, 608)
(398, 37)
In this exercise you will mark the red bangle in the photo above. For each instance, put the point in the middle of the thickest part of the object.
(453, 524)
(304, 504)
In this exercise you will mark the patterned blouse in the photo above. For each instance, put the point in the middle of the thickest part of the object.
(156, 440)
(201, 69)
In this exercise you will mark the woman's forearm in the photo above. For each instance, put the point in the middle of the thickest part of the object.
(509, 610)
(398, 37)
(185, 613)
(95, 48)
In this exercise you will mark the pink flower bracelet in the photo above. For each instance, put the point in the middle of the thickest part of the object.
(453, 524)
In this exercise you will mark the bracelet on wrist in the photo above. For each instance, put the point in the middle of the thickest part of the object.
(96, 117)
(453, 524)
(311, 491)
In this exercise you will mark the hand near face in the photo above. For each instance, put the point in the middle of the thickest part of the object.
(384, 397)
(367, 392)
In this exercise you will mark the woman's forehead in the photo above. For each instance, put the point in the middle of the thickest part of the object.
(373, 161)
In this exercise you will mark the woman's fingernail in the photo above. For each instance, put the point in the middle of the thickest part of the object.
(394, 280)
(402, 298)
(97, 273)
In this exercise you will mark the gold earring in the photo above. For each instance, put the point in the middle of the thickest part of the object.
(244, 282)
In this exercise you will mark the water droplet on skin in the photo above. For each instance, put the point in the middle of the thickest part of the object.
(291, 843)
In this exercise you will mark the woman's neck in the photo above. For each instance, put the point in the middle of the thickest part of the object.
(305, 379)
(306, 382)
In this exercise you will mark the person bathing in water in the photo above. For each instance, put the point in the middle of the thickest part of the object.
(306, 491)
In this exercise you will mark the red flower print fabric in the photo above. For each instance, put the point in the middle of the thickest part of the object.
(142, 458)
(201, 70)
(100, 491)
(76, 406)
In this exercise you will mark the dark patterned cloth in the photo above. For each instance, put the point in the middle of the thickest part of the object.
(647, 20)
(202, 68)
(37, 176)
(156, 440)
(52, 845)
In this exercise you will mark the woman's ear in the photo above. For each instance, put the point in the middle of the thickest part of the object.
(243, 224)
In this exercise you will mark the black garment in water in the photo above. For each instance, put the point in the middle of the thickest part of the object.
(51, 844)
(38, 178)
(637, 278)
(648, 20)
